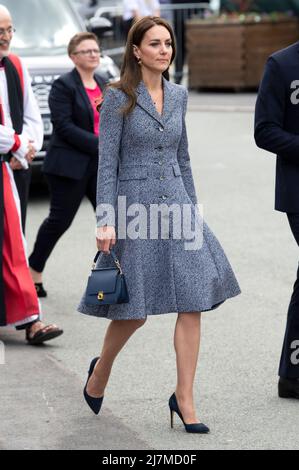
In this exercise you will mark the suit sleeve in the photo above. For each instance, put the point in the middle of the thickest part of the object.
(269, 133)
(184, 158)
(61, 106)
(111, 125)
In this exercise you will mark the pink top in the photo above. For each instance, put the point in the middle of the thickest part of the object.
(93, 96)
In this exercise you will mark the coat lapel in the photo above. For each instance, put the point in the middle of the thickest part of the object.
(84, 95)
(145, 101)
(170, 99)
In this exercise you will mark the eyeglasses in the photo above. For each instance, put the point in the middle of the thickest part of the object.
(9, 31)
(88, 52)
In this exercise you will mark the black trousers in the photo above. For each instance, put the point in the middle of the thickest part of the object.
(65, 198)
(289, 362)
(22, 179)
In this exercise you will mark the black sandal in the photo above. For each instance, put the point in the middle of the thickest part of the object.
(44, 334)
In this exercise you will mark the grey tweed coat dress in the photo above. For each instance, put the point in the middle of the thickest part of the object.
(144, 156)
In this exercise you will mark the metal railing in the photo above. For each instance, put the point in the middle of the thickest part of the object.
(176, 14)
(117, 10)
(168, 11)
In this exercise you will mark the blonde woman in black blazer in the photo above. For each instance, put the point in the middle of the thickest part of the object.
(72, 158)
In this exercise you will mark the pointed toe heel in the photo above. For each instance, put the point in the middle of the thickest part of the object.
(94, 404)
(198, 428)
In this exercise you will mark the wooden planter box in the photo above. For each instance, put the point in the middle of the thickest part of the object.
(233, 55)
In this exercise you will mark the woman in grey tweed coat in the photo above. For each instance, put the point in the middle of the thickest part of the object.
(144, 157)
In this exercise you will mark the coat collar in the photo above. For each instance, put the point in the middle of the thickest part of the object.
(100, 81)
(145, 101)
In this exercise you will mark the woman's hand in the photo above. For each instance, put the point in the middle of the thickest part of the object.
(31, 152)
(15, 164)
(106, 238)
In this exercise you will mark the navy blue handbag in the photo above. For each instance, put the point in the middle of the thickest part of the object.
(106, 286)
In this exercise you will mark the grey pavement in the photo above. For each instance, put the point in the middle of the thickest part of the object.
(221, 101)
(236, 383)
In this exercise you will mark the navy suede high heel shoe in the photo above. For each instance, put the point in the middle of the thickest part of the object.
(195, 427)
(94, 403)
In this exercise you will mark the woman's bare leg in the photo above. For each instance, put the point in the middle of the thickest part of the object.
(117, 334)
(186, 344)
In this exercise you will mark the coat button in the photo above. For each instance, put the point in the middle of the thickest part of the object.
(160, 163)
(162, 178)
(161, 129)
(164, 197)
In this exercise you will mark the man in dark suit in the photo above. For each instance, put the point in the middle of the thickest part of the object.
(180, 16)
(277, 130)
(72, 158)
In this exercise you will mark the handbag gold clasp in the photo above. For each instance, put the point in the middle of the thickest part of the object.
(101, 295)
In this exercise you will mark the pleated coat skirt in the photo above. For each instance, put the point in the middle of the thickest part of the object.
(144, 169)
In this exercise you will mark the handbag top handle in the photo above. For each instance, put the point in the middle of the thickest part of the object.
(114, 257)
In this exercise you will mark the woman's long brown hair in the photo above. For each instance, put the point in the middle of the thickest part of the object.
(130, 74)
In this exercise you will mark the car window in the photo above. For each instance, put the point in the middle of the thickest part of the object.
(43, 27)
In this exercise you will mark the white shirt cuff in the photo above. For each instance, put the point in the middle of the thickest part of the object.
(22, 151)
